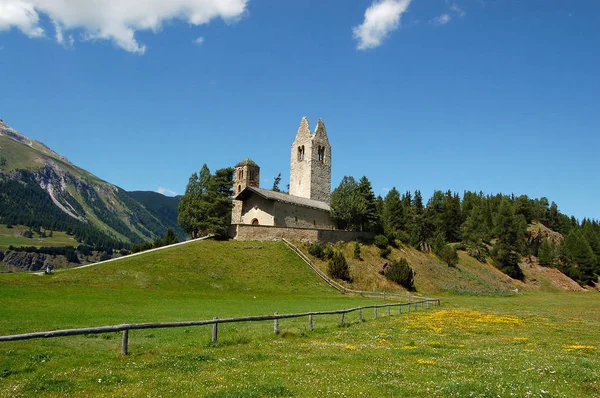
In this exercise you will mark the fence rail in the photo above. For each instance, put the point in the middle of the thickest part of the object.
(125, 328)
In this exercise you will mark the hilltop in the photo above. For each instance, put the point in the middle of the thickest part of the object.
(41, 188)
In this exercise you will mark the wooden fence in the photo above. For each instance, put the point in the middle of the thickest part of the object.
(125, 328)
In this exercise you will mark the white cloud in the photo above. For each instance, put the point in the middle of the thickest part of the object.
(459, 11)
(22, 15)
(381, 18)
(441, 20)
(116, 20)
(166, 191)
(199, 41)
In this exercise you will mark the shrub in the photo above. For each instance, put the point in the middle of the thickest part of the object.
(328, 252)
(478, 252)
(381, 241)
(400, 272)
(356, 250)
(28, 234)
(384, 252)
(449, 255)
(460, 246)
(338, 267)
(316, 250)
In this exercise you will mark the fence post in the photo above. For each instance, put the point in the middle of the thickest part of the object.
(389, 310)
(416, 308)
(342, 317)
(360, 315)
(215, 330)
(276, 325)
(125, 342)
(427, 304)
(375, 311)
(310, 322)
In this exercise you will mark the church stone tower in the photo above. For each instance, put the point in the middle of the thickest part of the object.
(247, 173)
(310, 164)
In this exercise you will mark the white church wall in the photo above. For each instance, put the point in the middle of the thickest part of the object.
(258, 208)
(293, 216)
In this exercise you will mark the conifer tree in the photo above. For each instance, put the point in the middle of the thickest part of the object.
(546, 253)
(369, 219)
(393, 213)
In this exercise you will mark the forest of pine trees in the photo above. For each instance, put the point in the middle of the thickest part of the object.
(486, 226)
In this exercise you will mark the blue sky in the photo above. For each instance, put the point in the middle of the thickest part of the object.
(497, 96)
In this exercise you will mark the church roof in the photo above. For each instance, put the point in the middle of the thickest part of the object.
(283, 197)
(246, 162)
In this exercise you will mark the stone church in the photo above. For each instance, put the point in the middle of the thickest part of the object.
(306, 207)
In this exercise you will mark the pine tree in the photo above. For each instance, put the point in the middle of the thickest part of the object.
(546, 253)
(205, 208)
(276, 182)
(369, 219)
(346, 204)
(393, 213)
(511, 233)
(576, 251)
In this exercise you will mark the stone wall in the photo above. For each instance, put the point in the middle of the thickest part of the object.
(269, 233)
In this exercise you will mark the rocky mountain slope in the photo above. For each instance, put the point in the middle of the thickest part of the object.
(39, 187)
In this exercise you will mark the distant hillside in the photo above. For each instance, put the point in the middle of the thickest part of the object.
(40, 188)
(162, 207)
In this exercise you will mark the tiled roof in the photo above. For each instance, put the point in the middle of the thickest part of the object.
(283, 197)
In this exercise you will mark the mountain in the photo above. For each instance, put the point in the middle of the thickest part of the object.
(40, 188)
(162, 207)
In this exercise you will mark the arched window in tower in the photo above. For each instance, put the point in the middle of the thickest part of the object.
(241, 174)
(321, 153)
(251, 175)
(301, 152)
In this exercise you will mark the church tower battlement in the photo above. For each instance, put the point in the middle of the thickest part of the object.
(310, 163)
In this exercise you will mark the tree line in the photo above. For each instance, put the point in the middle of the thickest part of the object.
(494, 226)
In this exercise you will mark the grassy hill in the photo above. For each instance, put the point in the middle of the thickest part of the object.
(526, 344)
(14, 236)
(228, 278)
(434, 277)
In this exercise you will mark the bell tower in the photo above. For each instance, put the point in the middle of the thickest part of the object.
(246, 173)
(310, 163)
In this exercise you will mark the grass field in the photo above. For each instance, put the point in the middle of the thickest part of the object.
(13, 236)
(523, 345)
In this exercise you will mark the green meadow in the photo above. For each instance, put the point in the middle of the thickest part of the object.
(13, 237)
(532, 344)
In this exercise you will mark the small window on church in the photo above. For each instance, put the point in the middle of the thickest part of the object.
(241, 174)
(296, 219)
(321, 153)
(255, 221)
(251, 175)
(315, 223)
(239, 188)
(301, 152)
